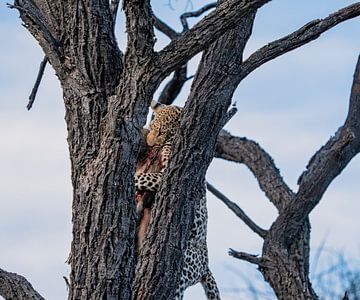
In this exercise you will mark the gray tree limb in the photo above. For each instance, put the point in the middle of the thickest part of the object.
(139, 27)
(323, 168)
(14, 286)
(298, 38)
(224, 17)
(260, 163)
(114, 6)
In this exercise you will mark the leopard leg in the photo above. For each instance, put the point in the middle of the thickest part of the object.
(179, 293)
(209, 284)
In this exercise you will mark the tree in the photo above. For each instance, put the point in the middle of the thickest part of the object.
(106, 95)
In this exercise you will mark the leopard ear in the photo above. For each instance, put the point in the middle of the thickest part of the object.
(156, 106)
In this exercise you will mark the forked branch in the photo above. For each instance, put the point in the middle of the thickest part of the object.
(323, 168)
(209, 29)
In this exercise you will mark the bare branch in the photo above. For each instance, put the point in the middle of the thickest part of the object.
(174, 86)
(300, 37)
(195, 13)
(237, 211)
(198, 38)
(251, 258)
(14, 286)
(164, 28)
(324, 166)
(259, 162)
(37, 83)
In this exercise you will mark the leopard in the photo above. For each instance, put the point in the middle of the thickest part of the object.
(196, 263)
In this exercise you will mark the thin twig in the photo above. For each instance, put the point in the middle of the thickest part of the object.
(254, 259)
(37, 83)
(195, 13)
(237, 210)
(307, 33)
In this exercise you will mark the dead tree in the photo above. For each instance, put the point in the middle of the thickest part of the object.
(107, 92)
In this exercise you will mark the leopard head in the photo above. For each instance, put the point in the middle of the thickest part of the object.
(165, 122)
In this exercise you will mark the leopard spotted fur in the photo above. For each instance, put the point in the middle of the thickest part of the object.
(195, 269)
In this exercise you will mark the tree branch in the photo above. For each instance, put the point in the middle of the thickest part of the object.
(164, 28)
(259, 162)
(139, 27)
(237, 211)
(14, 286)
(195, 13)
(224, 17)
(37, 83)
(174, 86)
(298, 38)
(251, 258)
(323, 168)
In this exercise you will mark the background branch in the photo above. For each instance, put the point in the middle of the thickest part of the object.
(174, 86)
(251, 258)
(14, 286)
(195, 13)
(237, 210)
(259, 162)
(224, 17)
(298, 38)
(324, 166)
(164, 28)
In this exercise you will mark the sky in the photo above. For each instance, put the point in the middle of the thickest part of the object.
(291, 106)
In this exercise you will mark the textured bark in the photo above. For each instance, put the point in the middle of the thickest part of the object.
(193, 151)
(14, 286)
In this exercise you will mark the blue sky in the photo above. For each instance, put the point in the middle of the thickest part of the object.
(291, 106)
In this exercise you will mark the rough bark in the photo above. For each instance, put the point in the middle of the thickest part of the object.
(162, 251)
(14, 286)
